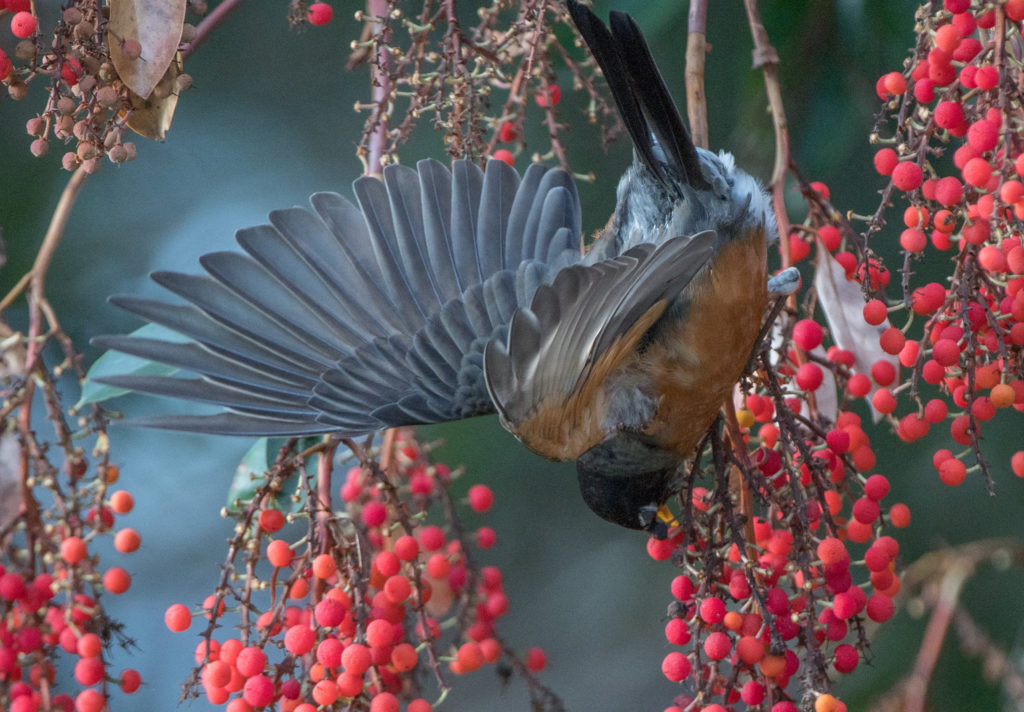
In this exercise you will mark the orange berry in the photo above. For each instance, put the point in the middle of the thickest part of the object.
(73, 549)
(384, 702)
(127, 540)
(324, 566)
(826, 702)
(116, 580)
(121, 502)
(470, 657)
(1002, 395)
(279, 553)
(899, 515)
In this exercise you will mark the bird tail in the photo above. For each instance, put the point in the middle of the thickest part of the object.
(645, 105)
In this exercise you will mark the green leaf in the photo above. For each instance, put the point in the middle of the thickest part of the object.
(115, 363)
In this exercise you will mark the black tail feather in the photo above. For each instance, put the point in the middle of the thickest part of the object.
(646, 107)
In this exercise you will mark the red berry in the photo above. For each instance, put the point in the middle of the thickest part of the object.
(486, 537)
(977, 172)
(324, 566)
(880, 608)
(73, 549)
(250, 661)
(859, 385)
(23, 24)
(116, 580)
(830, 237)
(949, 114)
(374, 513)
(131, 680)
(299, 639)
(319, 13)
(884, 401)
(469, 656)
(550, 97)
(480, 498)
(178, 618)
(712, 610)
(809, 377)
(952, 472)
(807, 334)
(846, 659)
(507, 132)
(384, 702)
(271, 520)
(949, 191)
(875, 312)
(677, 632)
(983, 135)
(676, 667)
(876, 487)
(907, 176)
(536, 659)
(380, 633)
(885, 161)
(1017, 463)
(504, 155)
(406, 548)
(913, 240)
(258, 690)
(892, 340)
(90, 701)
(356, 659)
(798, 248)
(431, 537)
(946, 352)
(717, 646)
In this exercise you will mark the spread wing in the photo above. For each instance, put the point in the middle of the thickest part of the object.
(550, 382)
(352, 319)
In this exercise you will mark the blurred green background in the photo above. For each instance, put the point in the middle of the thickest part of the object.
(270, 121)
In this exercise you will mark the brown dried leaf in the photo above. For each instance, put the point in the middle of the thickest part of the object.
(152, 117)
(10, 483)
(156, 25)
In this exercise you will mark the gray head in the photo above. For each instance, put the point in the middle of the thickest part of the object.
(625, 480)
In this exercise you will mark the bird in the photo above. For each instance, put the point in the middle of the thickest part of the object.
(445, 293)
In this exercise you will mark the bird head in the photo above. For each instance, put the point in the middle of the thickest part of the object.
(625, 480)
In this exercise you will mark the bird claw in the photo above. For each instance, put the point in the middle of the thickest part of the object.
(784, 283)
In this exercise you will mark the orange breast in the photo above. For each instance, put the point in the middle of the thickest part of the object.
(695, 362)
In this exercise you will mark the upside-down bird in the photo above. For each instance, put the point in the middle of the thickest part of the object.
(446, 294)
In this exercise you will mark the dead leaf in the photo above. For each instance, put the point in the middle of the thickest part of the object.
(152, 117)
(842, 302)
(156, 25)
(10, 482)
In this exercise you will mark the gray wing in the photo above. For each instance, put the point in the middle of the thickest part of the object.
(351, 319)
(549, 381)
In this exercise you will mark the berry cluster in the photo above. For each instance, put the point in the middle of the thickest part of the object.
(363, 603)
(88, 107)
(787, 556)
(766, 599)
(960, 98)
(50, 586)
